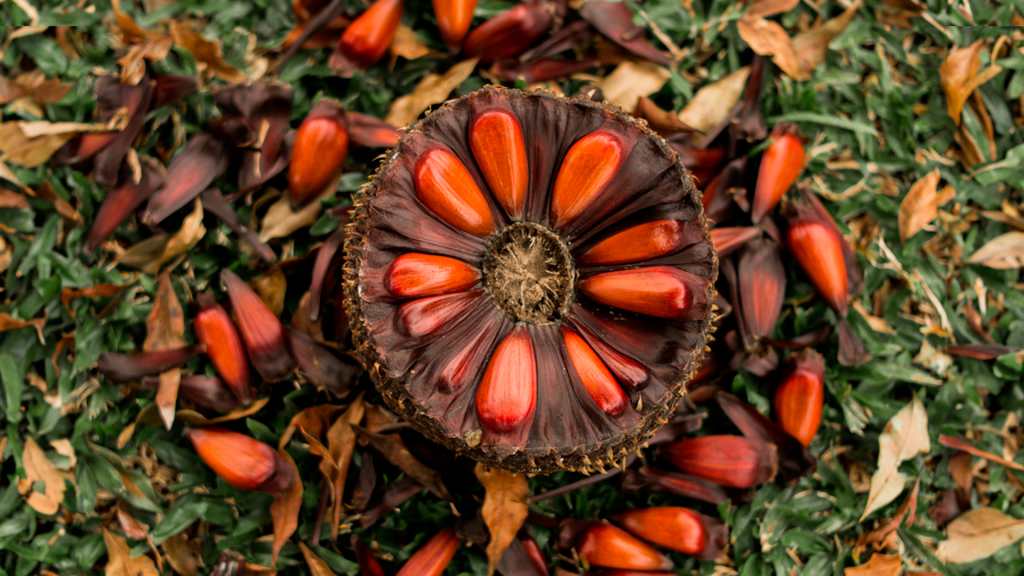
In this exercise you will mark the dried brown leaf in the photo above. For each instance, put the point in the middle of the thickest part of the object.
(905, 436)
(39, 469)
(504, 511)
(150, 254)
(812, 46)
(770, 7)
(183, 559)
(407, 45)
(317, 566)
(165, 329)
(67, 295)
(712, 103)
(978, 534)
(271, 289)
(336, 455)
(285, 510)
(1002, 252)
(207, 54)
(769, 38)
(392, 448)
(432, 89)
(921, 205)
(193, 417)
(19, 148)
(282, 220)
(960, 77)
(632, 80)
(120, 561)
(8, 322)
(878, 565)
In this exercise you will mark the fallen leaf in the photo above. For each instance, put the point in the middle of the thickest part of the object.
(165, 329)
(961, 469)
(712, 103)
(1002, 252)
(19, 148)
(877, 324)
(131, 526)
(765, 8)
(120, 561)
(978, 534)
(394, 450)
(271, 289)
(432, 89)
(281, 220)
(407, 45)
(8, 322)
(182, 558)
(921, 205)
(907, 510)
(336, 456)
(207, 54)
(133, 64)
(193, 417)
(958, 444)
(150, 254)
(905, 436)
(317, 566)
(769, 38)
(64, 208)
(632, 80)
(960, 77)
(504, 511)
(67, 295)
(64, 448)
(285, 510)
(39, 469)
(812, 46)
(878, 565)
(664, 122)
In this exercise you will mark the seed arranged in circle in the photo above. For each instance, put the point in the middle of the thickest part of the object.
(530, 279)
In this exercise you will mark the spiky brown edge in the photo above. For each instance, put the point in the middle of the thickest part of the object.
(609, 454)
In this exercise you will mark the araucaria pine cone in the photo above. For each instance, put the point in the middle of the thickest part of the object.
(530, 280)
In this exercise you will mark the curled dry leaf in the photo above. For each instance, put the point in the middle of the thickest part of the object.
(337, 456)
(271, 288)
(165, 329)
(769, 38)
(150, 254)
(1003, 252)
(713, 103)
(905, 436)
(960, 77)
(978, 534)
(878, 565)
(193, 417)
(281, 219)
(631, 81)
(120, 561)
(765, 8)
(921, 204)
(432, 89)
(17, 147)
(8, 322)
(407, 45)
(285, 509)
(182, 558)
(504, 510)
(812, 46)
(39, 469)
(206, 53)
(393, 448)
(317, 566)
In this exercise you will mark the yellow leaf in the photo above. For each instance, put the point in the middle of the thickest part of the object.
(281, 220)
(812, 46)
(712, 103)
(1002, 252)
(978, 534)
(407, 45)
(432, 89)
(878, 565)
(921, 204)
(317, 566)
(769, 38)
(207, 53)
(904, 437)
(504, 510)
(150, 254)
(39, 469)
(19, 148)
(632, 80)
(960, 77)
(120, 561)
